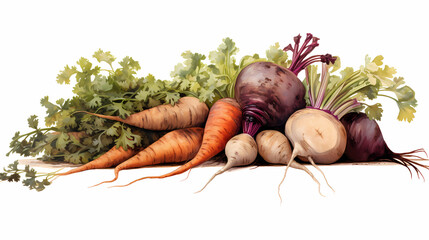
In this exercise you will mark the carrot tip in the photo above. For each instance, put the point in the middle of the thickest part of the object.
(103, 182)
(118, 186)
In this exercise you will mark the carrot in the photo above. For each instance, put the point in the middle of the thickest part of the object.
(223, 122)
(187, 112)
(111, 158)
(176, 146)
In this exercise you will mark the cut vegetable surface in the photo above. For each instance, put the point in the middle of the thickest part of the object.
(222, 124)
(316, 134)
(174, 147)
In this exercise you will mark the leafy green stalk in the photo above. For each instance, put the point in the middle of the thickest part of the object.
(349, 91)
(340, 95)
(13, 174)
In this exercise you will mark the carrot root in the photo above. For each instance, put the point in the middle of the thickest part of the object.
(223, 123)
(187, 112)
(176, 146)
(109, 181)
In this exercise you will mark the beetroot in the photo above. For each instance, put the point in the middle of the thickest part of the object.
(268, 93)
(365, 142)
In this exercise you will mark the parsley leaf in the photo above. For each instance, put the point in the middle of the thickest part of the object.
(94, 102)
(62, 141)
(64, 76)
(119, 107)
(127, 139)
(103, 56)
(114, 129)
(33, 122)
(13, 174)
(101, 84)
(374, 111)
(277, 55)
(406, 111)
(172, 97)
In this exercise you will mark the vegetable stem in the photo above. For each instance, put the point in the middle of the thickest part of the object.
(323, 85)
(299, 54)
(387, 96)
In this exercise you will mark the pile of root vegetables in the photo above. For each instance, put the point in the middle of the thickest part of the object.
(257, 108)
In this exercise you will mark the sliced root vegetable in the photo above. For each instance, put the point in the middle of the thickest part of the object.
(316, 133)
(241, 150)
(187, 112)
(316, 136)
(274, 147)
(223, 123)
(174, 147)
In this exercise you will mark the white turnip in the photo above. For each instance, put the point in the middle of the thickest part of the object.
(274, 147)
(316, 134)
(240, 150)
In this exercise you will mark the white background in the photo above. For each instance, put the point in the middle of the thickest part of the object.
(38, 38)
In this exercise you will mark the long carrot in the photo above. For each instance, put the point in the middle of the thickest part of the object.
(223, 122)
(176, 146)
(111, 158)
(187, 112)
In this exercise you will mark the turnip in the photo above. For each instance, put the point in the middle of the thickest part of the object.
(317, 136)
(365, 143)
(274, 147)
(240, 150)
(315, 132)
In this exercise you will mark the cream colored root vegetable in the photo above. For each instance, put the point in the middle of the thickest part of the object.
(240, 150)
(316, 136)
(274, 147)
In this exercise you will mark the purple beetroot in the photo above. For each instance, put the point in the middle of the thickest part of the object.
(365, 142)
(268, 93)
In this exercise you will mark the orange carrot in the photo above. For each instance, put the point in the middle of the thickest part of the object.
(111, 158)
(223, 122)
(187, 112)
(176, 146)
